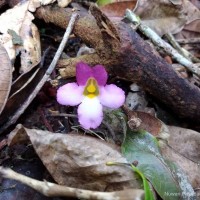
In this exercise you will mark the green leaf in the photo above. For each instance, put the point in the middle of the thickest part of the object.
(103, 2)
(148, 192)
(141, 146)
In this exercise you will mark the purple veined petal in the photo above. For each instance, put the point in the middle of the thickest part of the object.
(70, 94)
(100, 74)
(90, 113)
(83, 73)
(111, 96)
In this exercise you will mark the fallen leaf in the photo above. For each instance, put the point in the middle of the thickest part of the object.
(190, 169)
(143, 147)
(188, 142)
(5, 77)
(78, 161)
(31, 49)
(147, 122)
(186, 154)
(18, 20)
(163, 16)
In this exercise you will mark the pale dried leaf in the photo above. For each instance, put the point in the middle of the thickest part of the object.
(188, 142)
(18, 20)
(79, 161)
(184, 150)
(5, 77)
(31, 49)
(163, 16)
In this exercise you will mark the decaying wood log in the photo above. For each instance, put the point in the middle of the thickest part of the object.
(127, 55)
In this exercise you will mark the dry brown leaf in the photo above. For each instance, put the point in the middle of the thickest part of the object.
(31, 49)
(152, 124)
(117, 9)
(18, 22)
(78, 161)
(164, 16)
(5, 77)
(138, 120)
(185, 141)
(184, 150)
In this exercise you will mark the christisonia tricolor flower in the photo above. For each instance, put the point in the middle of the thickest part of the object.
(91, 93)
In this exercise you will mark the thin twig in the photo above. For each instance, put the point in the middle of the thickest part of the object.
(21, 110)
(189, 41)
(52, 190)
(158, 41)
(181, 50)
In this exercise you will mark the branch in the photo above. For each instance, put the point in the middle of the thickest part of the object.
(133, 59)
(52, 190)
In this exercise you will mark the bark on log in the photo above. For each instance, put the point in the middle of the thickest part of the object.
(127, 55)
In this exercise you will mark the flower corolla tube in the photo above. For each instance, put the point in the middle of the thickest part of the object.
(91, 93)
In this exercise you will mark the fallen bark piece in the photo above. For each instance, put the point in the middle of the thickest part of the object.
(128, 56)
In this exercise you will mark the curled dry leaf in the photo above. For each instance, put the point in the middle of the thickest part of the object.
(78, 161)
(186, 154)
(18, 20)
(148, 123)
(166, 16)
(5, 77)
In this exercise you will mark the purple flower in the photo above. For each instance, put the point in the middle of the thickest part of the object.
(92, 93)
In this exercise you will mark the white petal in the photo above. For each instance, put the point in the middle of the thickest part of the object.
(111, 96)
(90, 113)
(70, 94)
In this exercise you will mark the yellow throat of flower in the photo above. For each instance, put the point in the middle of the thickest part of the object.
(91, 89)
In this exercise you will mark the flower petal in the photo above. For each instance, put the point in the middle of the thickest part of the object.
(100, 74)
(70, 94)
(111, 96)
(90, 113)
(83, 73)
